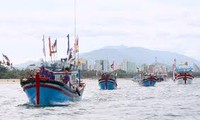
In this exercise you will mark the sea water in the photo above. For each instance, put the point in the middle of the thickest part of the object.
(165, 101)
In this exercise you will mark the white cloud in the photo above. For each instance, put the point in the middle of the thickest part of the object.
(154, 24)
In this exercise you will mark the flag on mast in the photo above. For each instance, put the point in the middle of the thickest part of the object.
(173, 69)
(102, 64)
(54, 47)
(50, 53)
(69, 55)
(68, 45)
(174, 65)
(6, 57)
(112, 65)
(76, 47)
(44, 47)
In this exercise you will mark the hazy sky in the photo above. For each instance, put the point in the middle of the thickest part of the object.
(167, 25)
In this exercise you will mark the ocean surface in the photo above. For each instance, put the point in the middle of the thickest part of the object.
(166, 101)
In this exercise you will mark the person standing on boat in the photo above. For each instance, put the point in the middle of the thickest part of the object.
(66, 79)
(42, 71)
(51, 76)
(103, 75)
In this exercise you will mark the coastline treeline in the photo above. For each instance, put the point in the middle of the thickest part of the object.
(13, 73)
(6, 73)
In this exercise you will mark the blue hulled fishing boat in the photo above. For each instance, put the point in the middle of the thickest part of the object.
(57, 83)
(54, 88)
(148, 80)
(107, 81)
(145, 79)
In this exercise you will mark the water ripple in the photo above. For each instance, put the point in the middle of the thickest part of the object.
(166, 100)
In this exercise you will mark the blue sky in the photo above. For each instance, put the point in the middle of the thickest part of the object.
(167, 25)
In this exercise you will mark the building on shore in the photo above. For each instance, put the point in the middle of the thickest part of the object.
(128, 66)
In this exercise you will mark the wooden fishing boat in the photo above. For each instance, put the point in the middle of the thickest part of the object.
(183, 74)
(107, 81)
(144, 78)
(161, 77)
(148, 80)
(56, 84)
(53, 89)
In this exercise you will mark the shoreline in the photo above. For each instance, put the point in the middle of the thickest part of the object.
(10, 81)
(17, 81)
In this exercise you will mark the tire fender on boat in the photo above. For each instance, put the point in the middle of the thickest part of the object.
(78, 92)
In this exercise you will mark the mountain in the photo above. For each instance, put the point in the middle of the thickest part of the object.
(27, 64)
(136, 54)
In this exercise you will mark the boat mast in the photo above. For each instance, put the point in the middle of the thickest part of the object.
(75, 34)
(76, 37)
(74, 18)
(156, 66)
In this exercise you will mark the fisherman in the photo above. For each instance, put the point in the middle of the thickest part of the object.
(103, 75)
(43, 72)
(66, 79)
(51, 76)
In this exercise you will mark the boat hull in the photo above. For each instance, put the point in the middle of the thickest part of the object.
(160, 79)
(183, 81)
(107, 84)
(184, 78)
(147, 82)
(50, 93)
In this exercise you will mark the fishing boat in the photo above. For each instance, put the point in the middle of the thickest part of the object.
(53, 87)
(148, 80)
(136, 77)
(161, 77)
(183, 74)
(107, 81)
(57, 83)
(160, 71)
(144, 78)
